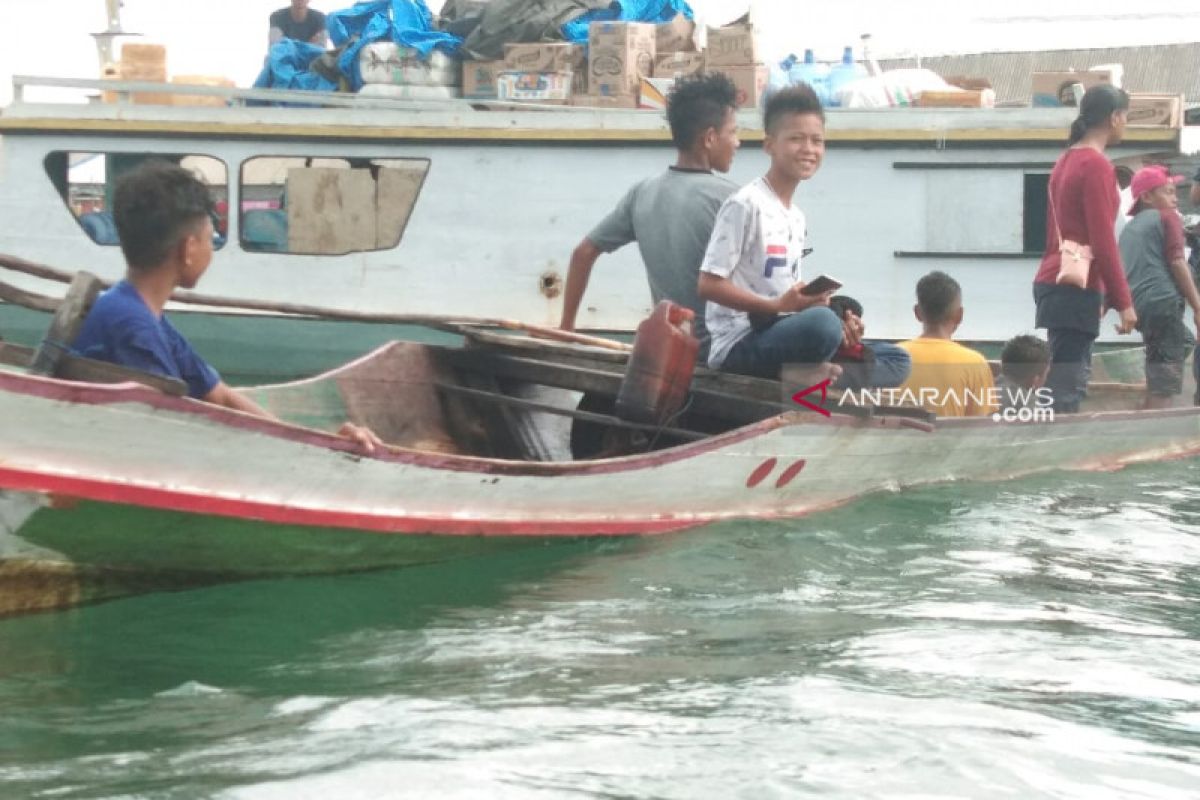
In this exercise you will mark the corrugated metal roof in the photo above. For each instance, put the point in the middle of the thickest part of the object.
(1170, 68)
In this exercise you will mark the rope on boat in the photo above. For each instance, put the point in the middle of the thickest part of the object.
(453, 324)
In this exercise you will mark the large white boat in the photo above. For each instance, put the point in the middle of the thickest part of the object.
(473, 209)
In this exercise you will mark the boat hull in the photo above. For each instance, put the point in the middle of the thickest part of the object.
(58, 551)
(539, 181)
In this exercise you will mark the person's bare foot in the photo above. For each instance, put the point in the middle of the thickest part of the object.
(801, 376)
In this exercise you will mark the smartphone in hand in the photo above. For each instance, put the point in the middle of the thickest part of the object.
(820, 285)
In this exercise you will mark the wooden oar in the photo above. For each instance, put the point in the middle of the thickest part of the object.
(440, 322)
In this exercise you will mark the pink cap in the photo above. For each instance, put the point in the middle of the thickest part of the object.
(1147, 179)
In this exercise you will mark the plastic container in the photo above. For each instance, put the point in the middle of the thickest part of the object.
(778, 76)
(814, 74)
(660, 368)
(843, 74)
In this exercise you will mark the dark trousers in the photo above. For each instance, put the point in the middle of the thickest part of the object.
(1070, 367)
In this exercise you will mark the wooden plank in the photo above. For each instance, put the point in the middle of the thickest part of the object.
(587, 416)
(395, 195)
(20, 297)
(77, 368)
(66, 324)
(88, 370)
(527, 345)
(330, 211)
(15, 355)
(396, 399)
(454, 324)
(735, 409)
(613, 361)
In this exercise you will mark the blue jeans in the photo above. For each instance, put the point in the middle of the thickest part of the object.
(810, 336)
(1070, 367)
(892, 365)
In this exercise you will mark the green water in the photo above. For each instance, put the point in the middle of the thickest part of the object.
(1031, 639)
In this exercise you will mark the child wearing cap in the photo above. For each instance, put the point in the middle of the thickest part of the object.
(1152, 250)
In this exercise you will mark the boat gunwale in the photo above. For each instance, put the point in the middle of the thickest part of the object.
(110, 394)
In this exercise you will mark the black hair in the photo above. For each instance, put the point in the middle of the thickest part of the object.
(1099, 103)
(1024, 358)
(1124, 175)
(937, 293)
(154, 206)
(796, 99)
(841, 303)
(697, 103)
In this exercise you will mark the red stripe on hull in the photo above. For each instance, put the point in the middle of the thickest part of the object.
(63, 487)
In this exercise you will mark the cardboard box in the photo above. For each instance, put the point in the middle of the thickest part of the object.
(968, 82)
(534, 87)
(606, 101)
(619, 53)
(201, 100)
(479, 79)
(677, 64)
(677, 35)
(654, 93)
(750, 80)
(142, 62)
(958, 98)
(545, 57)
(1050, 89)
(330, 211)
(734, 46)
(1157, 110)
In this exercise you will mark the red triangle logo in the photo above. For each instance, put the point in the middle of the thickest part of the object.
(799, 396)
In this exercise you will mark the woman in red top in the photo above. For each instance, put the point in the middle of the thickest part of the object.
(1083, 206)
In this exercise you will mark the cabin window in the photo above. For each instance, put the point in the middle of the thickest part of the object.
(85, 182)
(327, 206)
(1037, 188)
(972, 211)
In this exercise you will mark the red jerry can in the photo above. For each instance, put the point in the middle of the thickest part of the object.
(660, 368)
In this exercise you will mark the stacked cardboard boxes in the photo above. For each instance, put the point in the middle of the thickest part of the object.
(734, 52)
(479, 79)
(676, 56)
(531, 72)
(141, 62)
(619, 55)
(678, 64)
(200, 80)
(1158, 110)
(1052, 89)
(610, 72)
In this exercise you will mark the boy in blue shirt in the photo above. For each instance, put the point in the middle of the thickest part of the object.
(163, 217)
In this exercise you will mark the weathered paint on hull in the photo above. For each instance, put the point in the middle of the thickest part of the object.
(77, 552)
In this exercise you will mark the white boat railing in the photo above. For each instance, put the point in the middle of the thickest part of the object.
(123, 92)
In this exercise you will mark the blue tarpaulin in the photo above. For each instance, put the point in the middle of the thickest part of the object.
(287, 68)
(405, 22)
(656, 11)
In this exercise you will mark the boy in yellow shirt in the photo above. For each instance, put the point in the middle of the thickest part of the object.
(947, 379)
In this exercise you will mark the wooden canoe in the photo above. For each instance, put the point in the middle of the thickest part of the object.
(107, 489)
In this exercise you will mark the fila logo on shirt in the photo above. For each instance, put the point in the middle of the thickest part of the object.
(777, 258)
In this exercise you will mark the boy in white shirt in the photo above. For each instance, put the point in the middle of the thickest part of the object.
(752, 265)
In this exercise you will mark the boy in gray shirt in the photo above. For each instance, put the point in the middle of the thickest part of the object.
(671, 216)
